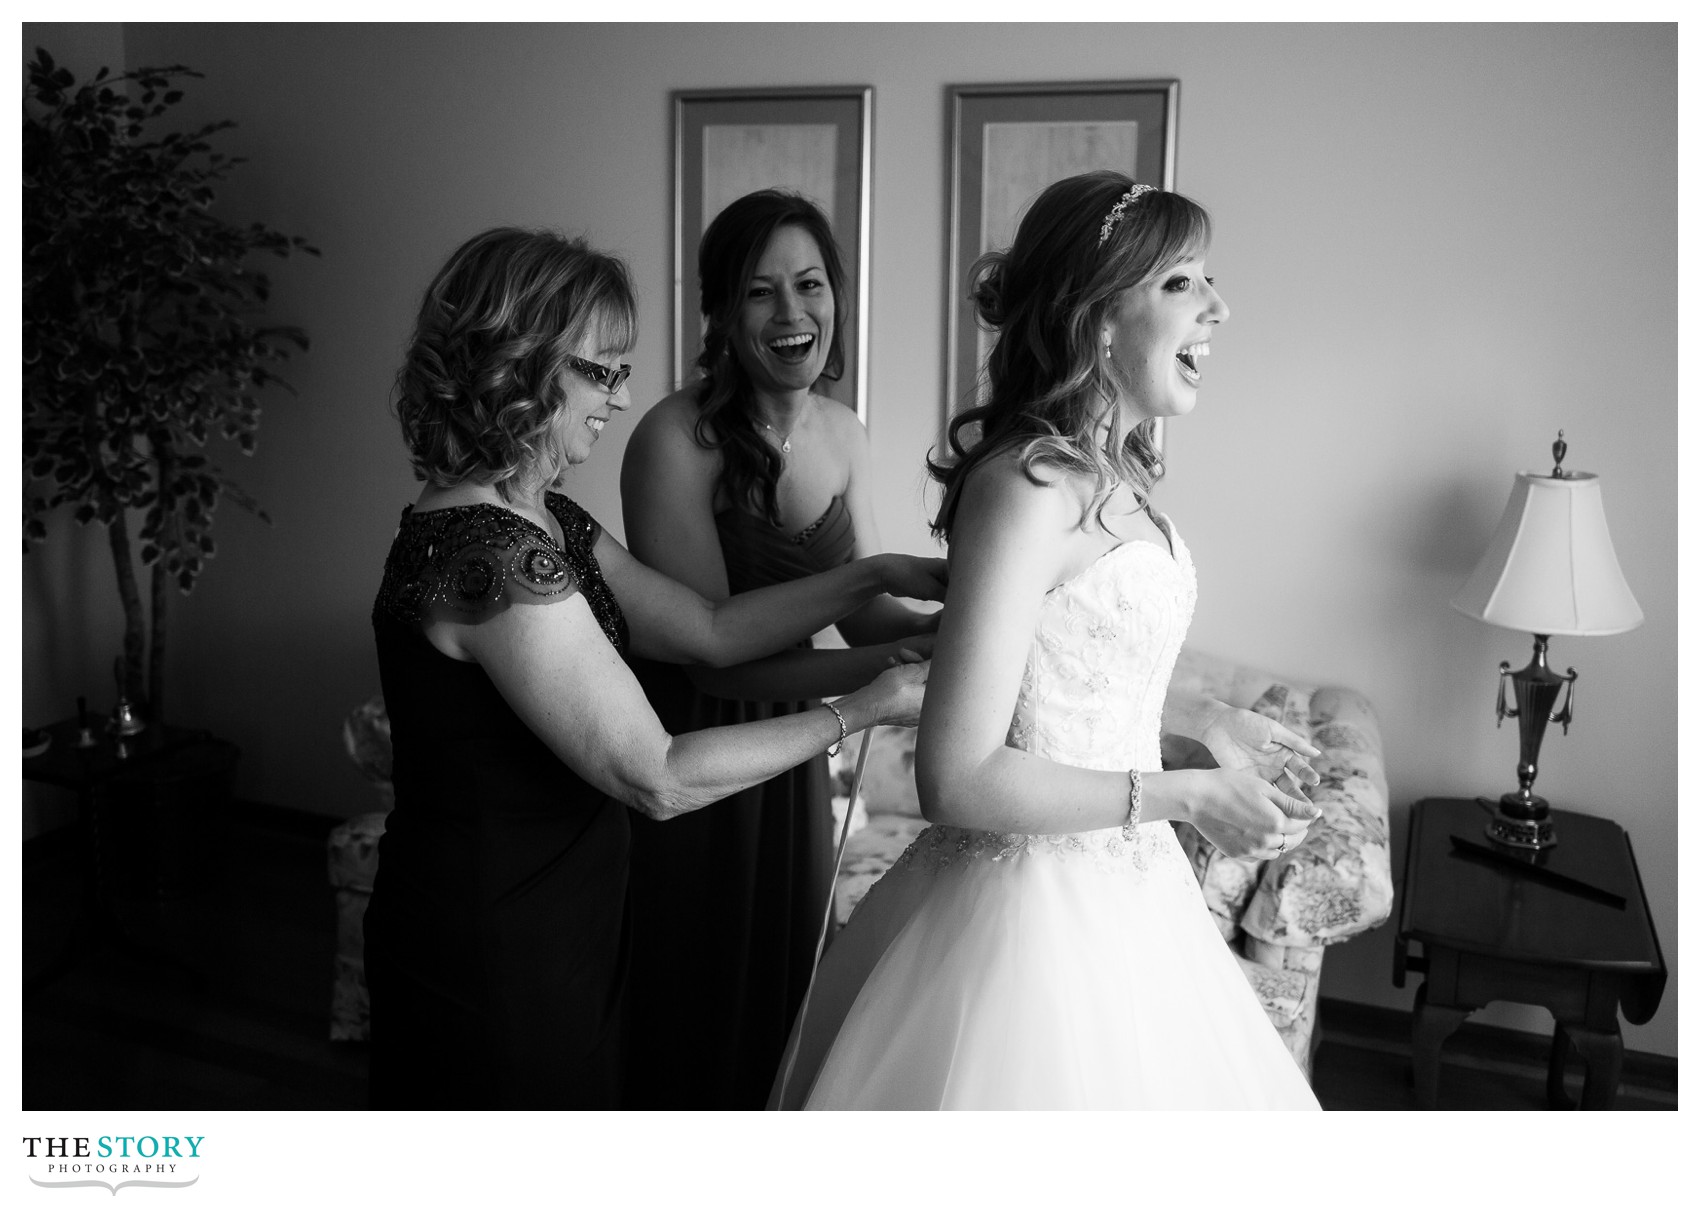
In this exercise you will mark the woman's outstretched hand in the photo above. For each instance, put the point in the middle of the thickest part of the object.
(921, 577)
(1244, 740)
(1246, 816)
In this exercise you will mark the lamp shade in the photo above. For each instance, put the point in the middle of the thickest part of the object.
(1550, 567)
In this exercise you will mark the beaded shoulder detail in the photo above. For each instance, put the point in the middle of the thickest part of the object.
(471, 562)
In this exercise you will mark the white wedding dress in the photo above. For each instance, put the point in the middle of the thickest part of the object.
(989, 970)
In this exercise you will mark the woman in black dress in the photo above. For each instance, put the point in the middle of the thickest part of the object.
(749, 476)
(497, 938)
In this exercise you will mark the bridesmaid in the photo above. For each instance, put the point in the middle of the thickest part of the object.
(744, 478)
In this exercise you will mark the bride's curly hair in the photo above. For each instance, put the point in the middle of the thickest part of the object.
(1048, 296)
(726, 261)
(479, 391)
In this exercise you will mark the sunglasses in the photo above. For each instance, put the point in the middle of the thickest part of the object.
(610, 377)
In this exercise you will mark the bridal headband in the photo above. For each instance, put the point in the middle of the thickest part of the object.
(1115, 215)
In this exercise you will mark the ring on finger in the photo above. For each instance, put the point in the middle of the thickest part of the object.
(1282, 848)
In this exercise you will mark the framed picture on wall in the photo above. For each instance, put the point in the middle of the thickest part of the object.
(817, 141)
(1007, 143)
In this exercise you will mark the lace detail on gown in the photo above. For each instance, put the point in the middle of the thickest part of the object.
(1092, 696)
(1081, 970)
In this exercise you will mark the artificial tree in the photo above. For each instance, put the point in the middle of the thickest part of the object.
(142, 334)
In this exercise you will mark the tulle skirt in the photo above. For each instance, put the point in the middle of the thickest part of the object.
(1017, 972)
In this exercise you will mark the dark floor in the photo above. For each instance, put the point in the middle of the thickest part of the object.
(218, 999)
(1364, 1064)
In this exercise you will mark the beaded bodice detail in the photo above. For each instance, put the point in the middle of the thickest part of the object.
(1099, 665)
(469, 562)
(1092, 693)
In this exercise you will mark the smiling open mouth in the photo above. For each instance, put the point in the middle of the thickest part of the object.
(1187, 360)
(793, 349)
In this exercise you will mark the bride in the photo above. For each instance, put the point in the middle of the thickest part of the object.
(1044, 944)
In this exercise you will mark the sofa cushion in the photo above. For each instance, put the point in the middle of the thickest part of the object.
(1339, 882)
(366, 737)
(888, 781)
(1284, 699)
(352, 851)
(869, 853)
(1227, 883)
(351, 1008)
(1281, 993)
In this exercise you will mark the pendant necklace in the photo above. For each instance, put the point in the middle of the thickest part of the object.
(784, 439)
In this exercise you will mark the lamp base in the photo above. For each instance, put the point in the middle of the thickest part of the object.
(1520, 819)
(1521, 822)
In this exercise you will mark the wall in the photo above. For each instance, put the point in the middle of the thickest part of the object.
(1440, 243)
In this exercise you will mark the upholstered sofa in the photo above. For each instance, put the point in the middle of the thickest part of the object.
(353, 861)
(1278, 917)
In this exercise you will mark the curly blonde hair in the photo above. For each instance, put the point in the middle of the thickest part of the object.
(479, 389)
(1048, 296)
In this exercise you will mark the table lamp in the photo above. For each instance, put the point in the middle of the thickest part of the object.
(1549, 569)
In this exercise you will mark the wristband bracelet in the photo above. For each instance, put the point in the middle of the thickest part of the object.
(1134, 791)
(834, 749)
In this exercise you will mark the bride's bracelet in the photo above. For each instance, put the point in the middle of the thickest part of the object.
(1134, 790)
(837, 747)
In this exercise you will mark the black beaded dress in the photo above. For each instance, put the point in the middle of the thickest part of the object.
(498, 936)
(727, 902)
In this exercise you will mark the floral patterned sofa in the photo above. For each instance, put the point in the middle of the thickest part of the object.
(352, 851)
(1277, 916)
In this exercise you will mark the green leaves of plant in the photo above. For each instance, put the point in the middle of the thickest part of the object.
(141, 328)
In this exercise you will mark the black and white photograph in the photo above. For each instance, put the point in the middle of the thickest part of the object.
(635, 574)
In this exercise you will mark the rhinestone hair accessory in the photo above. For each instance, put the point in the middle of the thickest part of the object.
(1116, 211)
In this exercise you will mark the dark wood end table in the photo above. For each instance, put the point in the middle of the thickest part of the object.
(158, 751)
(1569, 931)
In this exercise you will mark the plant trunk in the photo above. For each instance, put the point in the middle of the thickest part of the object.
(160, 587)
(135, 620)
(156, 649)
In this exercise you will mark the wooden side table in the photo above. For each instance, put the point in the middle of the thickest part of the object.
(1570, 931)
(158, 754)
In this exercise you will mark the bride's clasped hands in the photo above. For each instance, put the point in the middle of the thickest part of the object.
(1244, 740)
(1243, 814)
(1254, 805)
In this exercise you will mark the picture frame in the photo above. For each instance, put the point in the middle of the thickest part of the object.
(1009, 141)
(816, 140)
